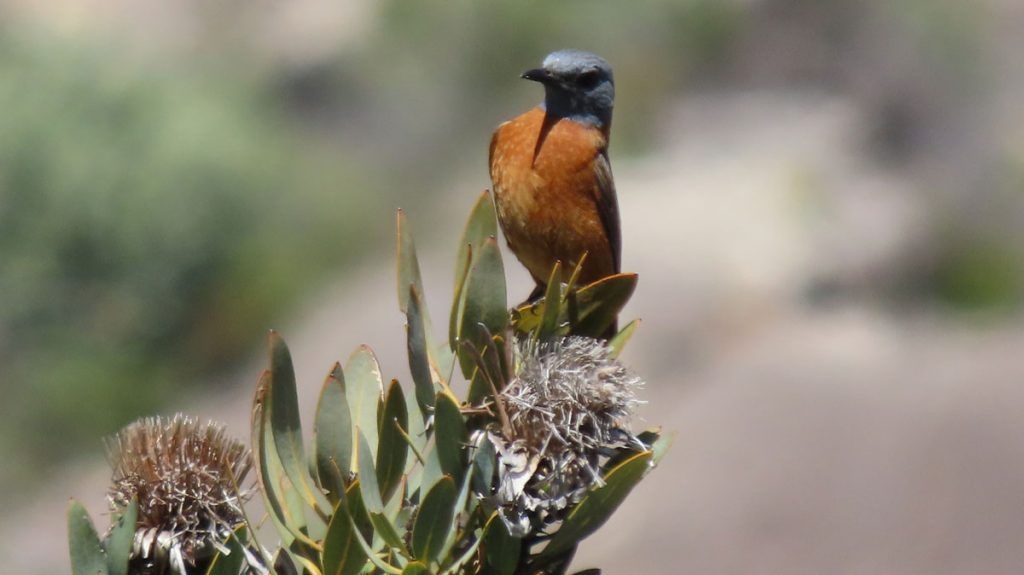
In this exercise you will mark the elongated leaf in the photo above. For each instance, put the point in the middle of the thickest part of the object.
(283, 503)
(590, 310)
(466, 554)
(482, 224)
(332, 430)
(460, 505)
(393, 449)
(119, 541)
(451, 437)
(285, 424)
(419, 355)
(368, 551)
(599, 303)
(342, 553)
(455, 317)
(87, 556)
(365, 389)
(432, 472)
(484, 460)
(387, 531)
(394, 506)
(408, 263)
(492, 371)
(485, 310)
(231, 563)
(415, 568)
(549, 323)
(371, 497)
(357, 509)
(417, 438)
(598, 505)
(368, 485)
(501, 550)
(661, 445)
(433, 522)
(619, 341)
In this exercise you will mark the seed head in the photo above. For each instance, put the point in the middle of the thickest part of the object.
(187, 479)
(568, 406)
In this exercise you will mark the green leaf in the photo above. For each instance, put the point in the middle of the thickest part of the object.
(434, 521)
(408, 263)
(598, 505)
(415, 568)
(618, 342)
(409, 281)
(485, 312)
(451, 438)
(365, 388)
(417, 437)
(332, 432)
(419, 355)
(492, 372)
(120, 539)
(482, 224)
(388, 532)
(393, 449)
(598, 304)
(284, 504)
(590, 310)
(342, 554)
(285, 425)
(661, 445)
(484, 460)
(455, 318)
(368, 551)
(368, 485)
(463, 505)
(371, 497)
(549, 324)
(501, 549)
(432, 472)
(87, 556)
(357, 509)
(231, 563)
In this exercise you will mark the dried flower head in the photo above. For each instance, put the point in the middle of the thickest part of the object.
(186, 477)
(568, 407)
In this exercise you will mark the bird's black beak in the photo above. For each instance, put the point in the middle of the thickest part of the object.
(538, 75)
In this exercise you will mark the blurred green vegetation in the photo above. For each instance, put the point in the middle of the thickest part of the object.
(159, 211)
(154, 221)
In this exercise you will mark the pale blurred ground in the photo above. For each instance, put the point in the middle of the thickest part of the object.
(820, 427)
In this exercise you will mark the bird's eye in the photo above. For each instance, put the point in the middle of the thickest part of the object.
(588, 79)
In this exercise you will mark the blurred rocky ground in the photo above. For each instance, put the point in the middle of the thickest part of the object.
(825, 214)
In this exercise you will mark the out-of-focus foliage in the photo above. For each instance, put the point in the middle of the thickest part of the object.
(147, 216)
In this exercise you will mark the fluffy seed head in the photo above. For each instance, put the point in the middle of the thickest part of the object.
(186, 477)
(568, 406)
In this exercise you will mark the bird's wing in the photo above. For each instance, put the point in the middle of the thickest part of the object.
(608, 206)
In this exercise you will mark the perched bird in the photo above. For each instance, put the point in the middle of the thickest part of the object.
(552, 180)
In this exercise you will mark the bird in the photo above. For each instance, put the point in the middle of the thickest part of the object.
(551, 176)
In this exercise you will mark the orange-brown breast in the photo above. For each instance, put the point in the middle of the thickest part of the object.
(547, 190)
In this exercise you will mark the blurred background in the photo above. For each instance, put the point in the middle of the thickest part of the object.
(824, 202)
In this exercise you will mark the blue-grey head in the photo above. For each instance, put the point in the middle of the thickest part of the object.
(577, 85)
